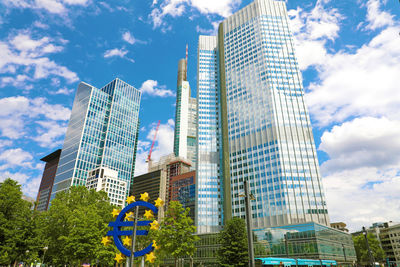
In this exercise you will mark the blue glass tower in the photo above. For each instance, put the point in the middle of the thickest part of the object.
(102, 132)
(251, 97)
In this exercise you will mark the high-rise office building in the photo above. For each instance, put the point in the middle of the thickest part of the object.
(209, 186)
(185, 116)
(105, 179)
(157, 181)
(102, 132)
(253, 124)
(46, 184)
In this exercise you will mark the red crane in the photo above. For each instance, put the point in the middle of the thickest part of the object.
(154, 140)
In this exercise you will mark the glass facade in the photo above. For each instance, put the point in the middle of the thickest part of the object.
(269, 134)
(307, 241)
(301, 241)
(209, 213)
(102, 131)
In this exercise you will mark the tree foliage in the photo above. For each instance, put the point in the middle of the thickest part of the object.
(233, 239)
(362, 251)
(175, 235)
(16, 225)
(74, 225)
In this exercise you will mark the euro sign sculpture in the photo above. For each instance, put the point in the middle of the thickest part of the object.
(119, 222)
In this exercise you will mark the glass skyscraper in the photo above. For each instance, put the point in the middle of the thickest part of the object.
(102, 132)
(253, 124)
(185, 139)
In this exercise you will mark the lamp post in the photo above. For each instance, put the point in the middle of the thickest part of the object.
(371, 256)
(44, 252)
(247, 197)
(27, 253)
(286, 246)
(344, 253)
(133, 244)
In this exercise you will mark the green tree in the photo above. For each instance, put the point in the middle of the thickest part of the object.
(15, 224)
(74, 225)
(362, 251)
(175, 235)
(233, 239)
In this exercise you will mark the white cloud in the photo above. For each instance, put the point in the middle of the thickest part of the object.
(77, 2)
(5, 143)
(363, 83)
(224, 8)
(128, 37)
(40, 25)
(63, 91)
(52, 6)
(117, 53)
(50, 134)
(15, 157)
(363, 196)
(30, 186)
(311, 32)
(355, 96)
(362, 142)
(176, 8)
(152, 88)
(362, 176)
(163, 145)
(19, 81)
(353, 83)
(59, 7)
(38, 106)
(212, 31)
(18, 112)
(17, 176)
(27, 56)
(376, 17)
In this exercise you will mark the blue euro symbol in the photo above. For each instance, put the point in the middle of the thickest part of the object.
(119, 222)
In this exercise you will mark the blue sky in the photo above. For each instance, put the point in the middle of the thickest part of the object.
(348, 51)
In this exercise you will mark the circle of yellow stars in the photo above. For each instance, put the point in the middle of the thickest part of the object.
(127, 241)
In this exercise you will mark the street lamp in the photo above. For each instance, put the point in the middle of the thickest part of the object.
(344, 252)
(247, 197)
(27, 252)
(371, 256)
(44, 252)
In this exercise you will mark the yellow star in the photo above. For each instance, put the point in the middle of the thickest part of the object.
(130, 199)
(154, 225)
(129, 216)
(106, 240)
(148, 214)
(145, 196)
(155, 245)
(127, 241)
(159, 202)
(119, 257)
(150, 257)
(115, 212)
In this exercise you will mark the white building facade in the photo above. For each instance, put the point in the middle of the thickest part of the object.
(185, 117)
(106, 179)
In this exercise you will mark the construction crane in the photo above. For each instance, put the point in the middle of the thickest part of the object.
(154, 140)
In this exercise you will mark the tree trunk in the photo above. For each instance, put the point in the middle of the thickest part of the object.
(176, 262)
